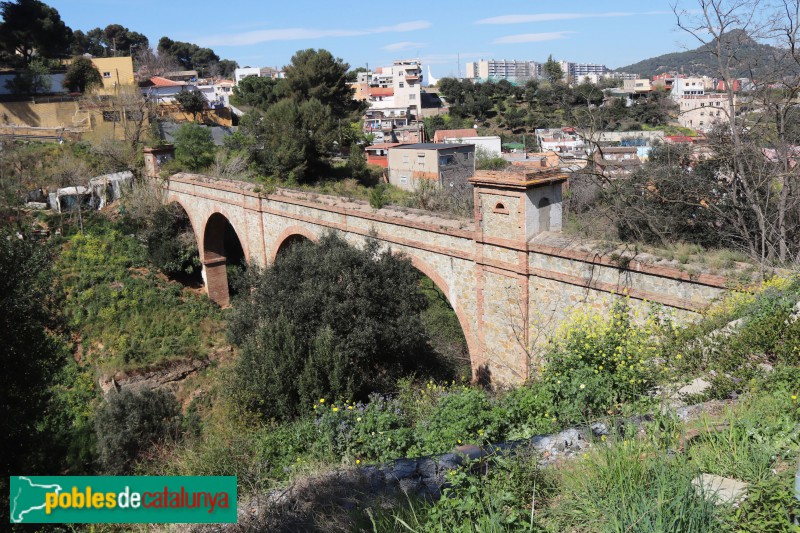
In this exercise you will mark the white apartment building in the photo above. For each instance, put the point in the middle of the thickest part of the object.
(701, 111)
(407, 84)
(690, 87)
(495, 70)
(266, 72)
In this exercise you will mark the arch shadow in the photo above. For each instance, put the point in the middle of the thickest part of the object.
(441, 284)
(290, 236)
(221, 248)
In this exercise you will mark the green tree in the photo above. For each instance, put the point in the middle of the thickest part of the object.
(317, 74)
(194, 146)
(328, 320)
(87, 43)
(357, 163)
(190, 56)
(120, 41)
(191, 102)
(32, 27)
(82, 75)
(225, 68)
(259, 92)
(130, 422)
(31, 353)
(552, 70)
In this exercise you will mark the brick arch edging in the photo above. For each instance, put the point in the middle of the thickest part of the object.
(202, 244)
(466, 328)
(287, 233)
(173, 198)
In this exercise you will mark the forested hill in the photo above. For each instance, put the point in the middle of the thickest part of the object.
(746, 55)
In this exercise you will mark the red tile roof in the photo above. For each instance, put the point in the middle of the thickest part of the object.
(381, 91)
(158, 81)
(441, 135)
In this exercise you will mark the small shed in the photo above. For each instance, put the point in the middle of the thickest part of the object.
(109, 188)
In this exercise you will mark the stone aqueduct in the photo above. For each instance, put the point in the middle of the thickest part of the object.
(508, 273)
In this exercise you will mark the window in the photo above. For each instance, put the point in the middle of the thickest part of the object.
(501, 209)
(421, 160)
(110, 116)
(106, 74)
(412, 96)
(405, 158)
(402, 85)
(404, 180)
(445, 160)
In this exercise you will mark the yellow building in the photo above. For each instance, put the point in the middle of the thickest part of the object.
(115, 72)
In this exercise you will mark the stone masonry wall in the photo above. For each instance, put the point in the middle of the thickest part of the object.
(502, 288)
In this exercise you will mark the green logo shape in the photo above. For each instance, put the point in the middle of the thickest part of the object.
(123, 499)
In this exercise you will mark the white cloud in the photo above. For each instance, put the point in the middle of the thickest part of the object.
(404, 45)
(533, 37)
(299, 34)
(549, 17)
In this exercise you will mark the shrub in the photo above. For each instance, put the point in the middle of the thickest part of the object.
(130, 422)
(328, 321)
(378, 430)
(171, 244)
(461, 416)
(598, 363)
(529, 411)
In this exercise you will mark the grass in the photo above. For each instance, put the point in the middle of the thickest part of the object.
(126, 314)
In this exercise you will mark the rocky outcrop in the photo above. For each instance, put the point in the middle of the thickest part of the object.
(167, 376)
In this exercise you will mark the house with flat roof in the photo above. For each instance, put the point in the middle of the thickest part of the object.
(449, 165)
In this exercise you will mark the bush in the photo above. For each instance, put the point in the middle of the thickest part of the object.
(126, 315)
(129, 423)
(171, 244)
(328, 321)
(194, 147)
(598, 363)
(460, 417)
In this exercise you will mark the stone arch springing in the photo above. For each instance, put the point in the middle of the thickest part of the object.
(221, 248)
(441, 284)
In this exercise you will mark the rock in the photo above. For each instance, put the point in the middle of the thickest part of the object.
(599, 429)
(696, 386)
(403, 468)
(721, 490)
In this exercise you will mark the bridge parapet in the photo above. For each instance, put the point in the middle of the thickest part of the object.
(502, 271)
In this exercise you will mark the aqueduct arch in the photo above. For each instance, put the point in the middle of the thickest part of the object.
(288, 237)
(221, 247)
(497, 269)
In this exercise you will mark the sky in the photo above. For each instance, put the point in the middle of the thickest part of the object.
(267, 32)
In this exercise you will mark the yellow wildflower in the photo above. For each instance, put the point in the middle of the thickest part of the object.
(335, 409)
(358, 461)
(322, 400)
(583, 386)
